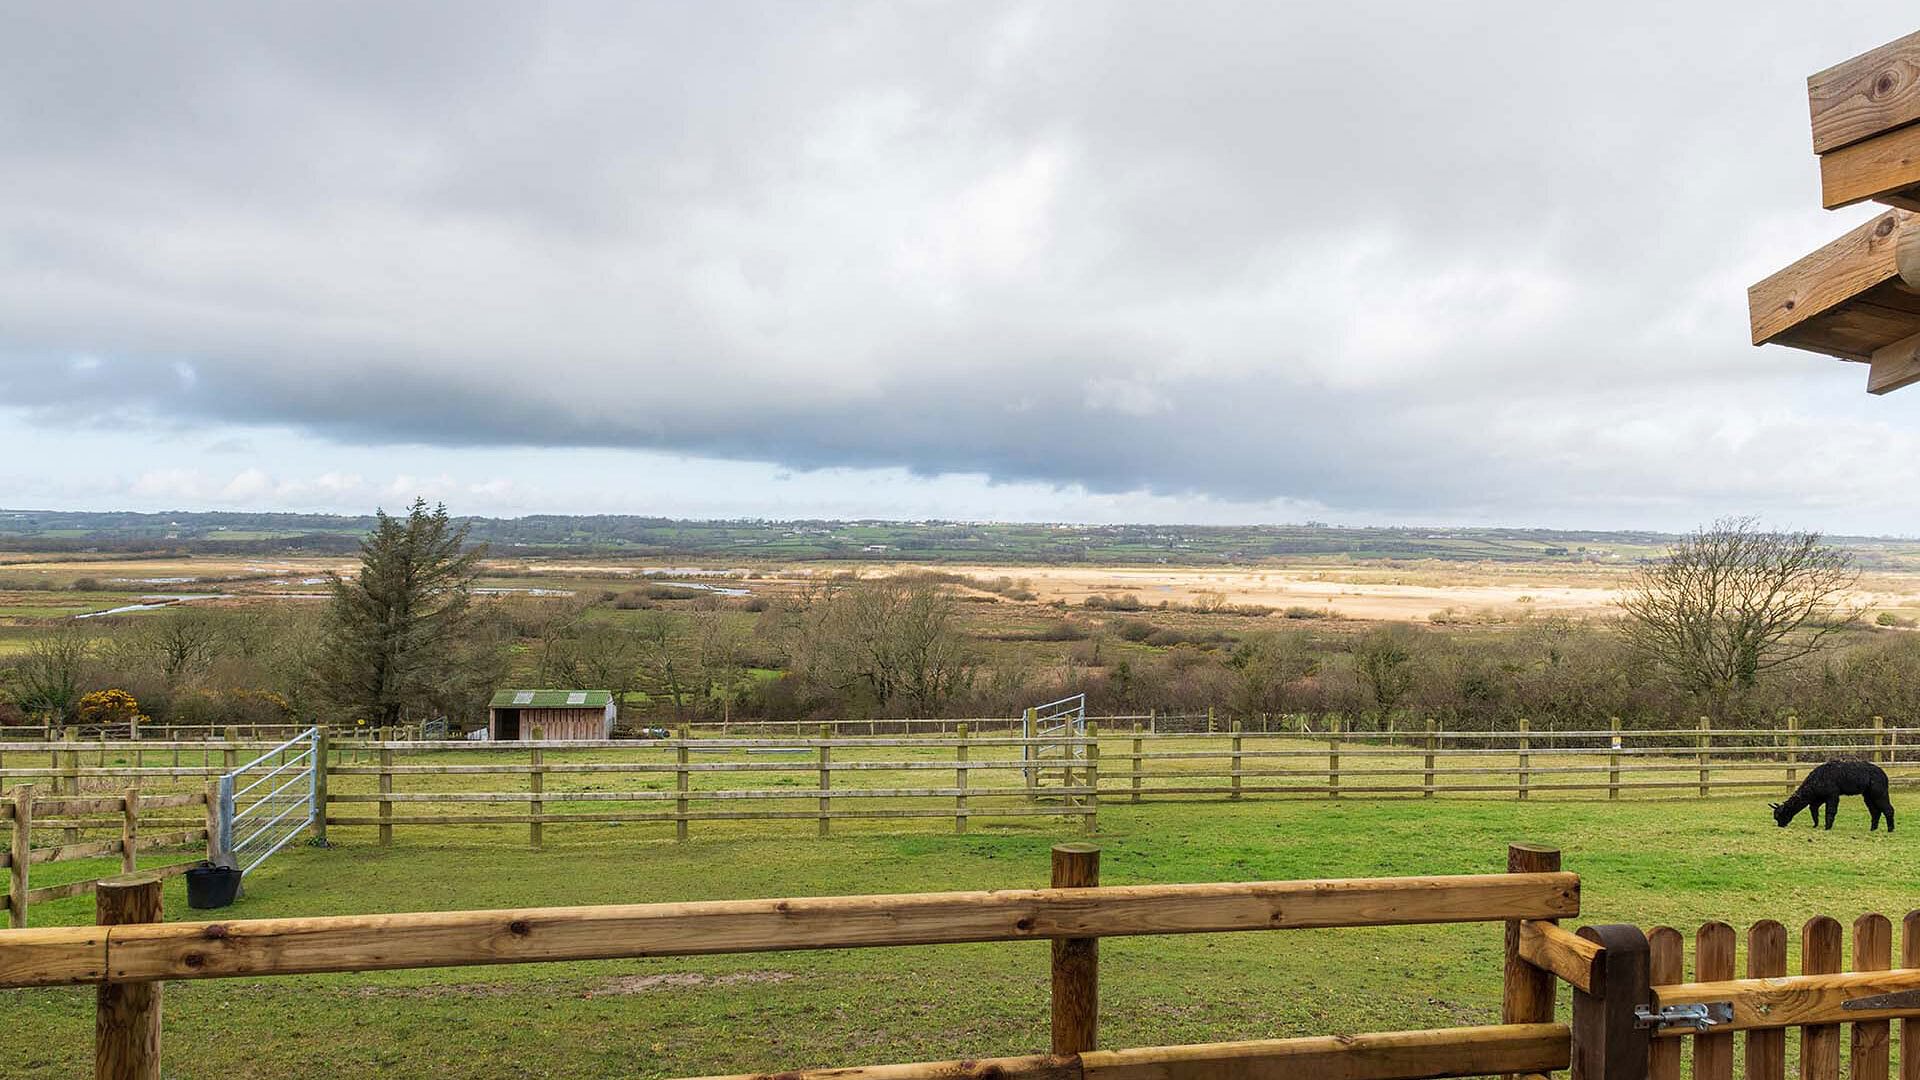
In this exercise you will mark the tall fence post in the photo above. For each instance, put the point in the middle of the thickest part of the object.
(1706, 752)
(1879, 746)
(537, 784)
(223, 816)
(680, 785)
(1526, 992)
(129, 830)
(213, 823)
(1090, 820)
(1028, 755)
(126, 1026)
(1613, 761)
(1433, 745)
(70, 771)
(826, 780)
(1211, 728)
(1076, 961)
(386, 788)
(1236, 762)
(1333, 758)
(1134, 764)
(1793, 748)
(322, 740)
(1607, 1042)
(1526, 744)
(17, 863)
(960, 782)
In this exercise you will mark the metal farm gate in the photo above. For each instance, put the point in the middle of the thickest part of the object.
(269, 801)
(1057, 747)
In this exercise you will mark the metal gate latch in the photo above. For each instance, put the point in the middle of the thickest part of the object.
(1698, 1017)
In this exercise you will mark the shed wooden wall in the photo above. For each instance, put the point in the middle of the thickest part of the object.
(564, 723)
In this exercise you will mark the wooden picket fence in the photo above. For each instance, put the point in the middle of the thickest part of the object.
(1072, 914)
(74, 817)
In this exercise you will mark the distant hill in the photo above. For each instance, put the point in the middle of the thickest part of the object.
(623, 536)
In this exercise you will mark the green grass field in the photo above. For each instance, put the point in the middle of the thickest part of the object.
(1647, 862)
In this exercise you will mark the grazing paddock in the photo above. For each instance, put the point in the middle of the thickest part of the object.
(1643, 862)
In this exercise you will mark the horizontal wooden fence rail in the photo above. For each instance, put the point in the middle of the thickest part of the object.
(133, 833)
(132, 949)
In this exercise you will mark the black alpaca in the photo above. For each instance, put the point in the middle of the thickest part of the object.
(1824, 786)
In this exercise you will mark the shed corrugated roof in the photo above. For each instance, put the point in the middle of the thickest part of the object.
(551, 699)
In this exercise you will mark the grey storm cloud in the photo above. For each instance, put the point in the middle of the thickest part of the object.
(1368, 254)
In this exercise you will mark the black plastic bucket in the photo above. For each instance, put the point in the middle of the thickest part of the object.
(210, 886)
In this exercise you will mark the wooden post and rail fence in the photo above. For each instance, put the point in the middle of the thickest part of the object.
(25, 809)
(537, 783)
(1631, 1002)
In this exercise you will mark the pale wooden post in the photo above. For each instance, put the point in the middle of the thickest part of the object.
(1613, 761)
(1236, 761)
(960, 782)
(1526, 759)
(1028, 755)
(1706, 749)
(1526, 991)
(537, 783)
(1135, 764)
(70, 770)
(680, 785)
(126, 1027)
(321, 742)
(1210, 727)
(1089, 820)
(230, 752)
(22, 845)
(129, 830)
(1076, 961)
(1793, 748)
(1879, 743)
(1333, 758)
(216, 854)
(386, 788)
(1433, 744)
(1153, 720)
(826, 780)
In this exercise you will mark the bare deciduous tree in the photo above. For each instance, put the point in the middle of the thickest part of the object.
(1732, 601)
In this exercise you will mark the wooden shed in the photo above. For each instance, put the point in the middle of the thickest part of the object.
(558, 714)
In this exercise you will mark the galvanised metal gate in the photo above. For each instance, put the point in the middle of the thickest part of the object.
(269, 801)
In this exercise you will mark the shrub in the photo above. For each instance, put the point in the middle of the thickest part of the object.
(1301, 611)
(1134, 629)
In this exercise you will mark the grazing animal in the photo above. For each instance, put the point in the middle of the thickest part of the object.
(1826, 783)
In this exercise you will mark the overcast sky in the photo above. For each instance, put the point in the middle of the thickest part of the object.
(1195, 262)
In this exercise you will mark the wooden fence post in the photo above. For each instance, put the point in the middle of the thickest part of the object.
(1909, 1026)
(230, 753)
(680, 785)
(1879, 749)
(1706, 749)
(1076, 961)
(1606, 1043)
(1872, 951)
(1793, 748)
(1090, 820)
(826, 780)
(1333, 758)
(1135, 764)
(1526, 995)
(22, 845)
(126, 1026)
(1713, 962)
(1766, 959)
(1236, 762)
(1613, 761)
(960, 782)
(1820, 955)
(1028, 755)
(537, 784)
(1210, 725)
(322, 741)
(1526, 744)
(70, 771)
(216, 852)
(386, 788)
(1433, 744)
(129, 830)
